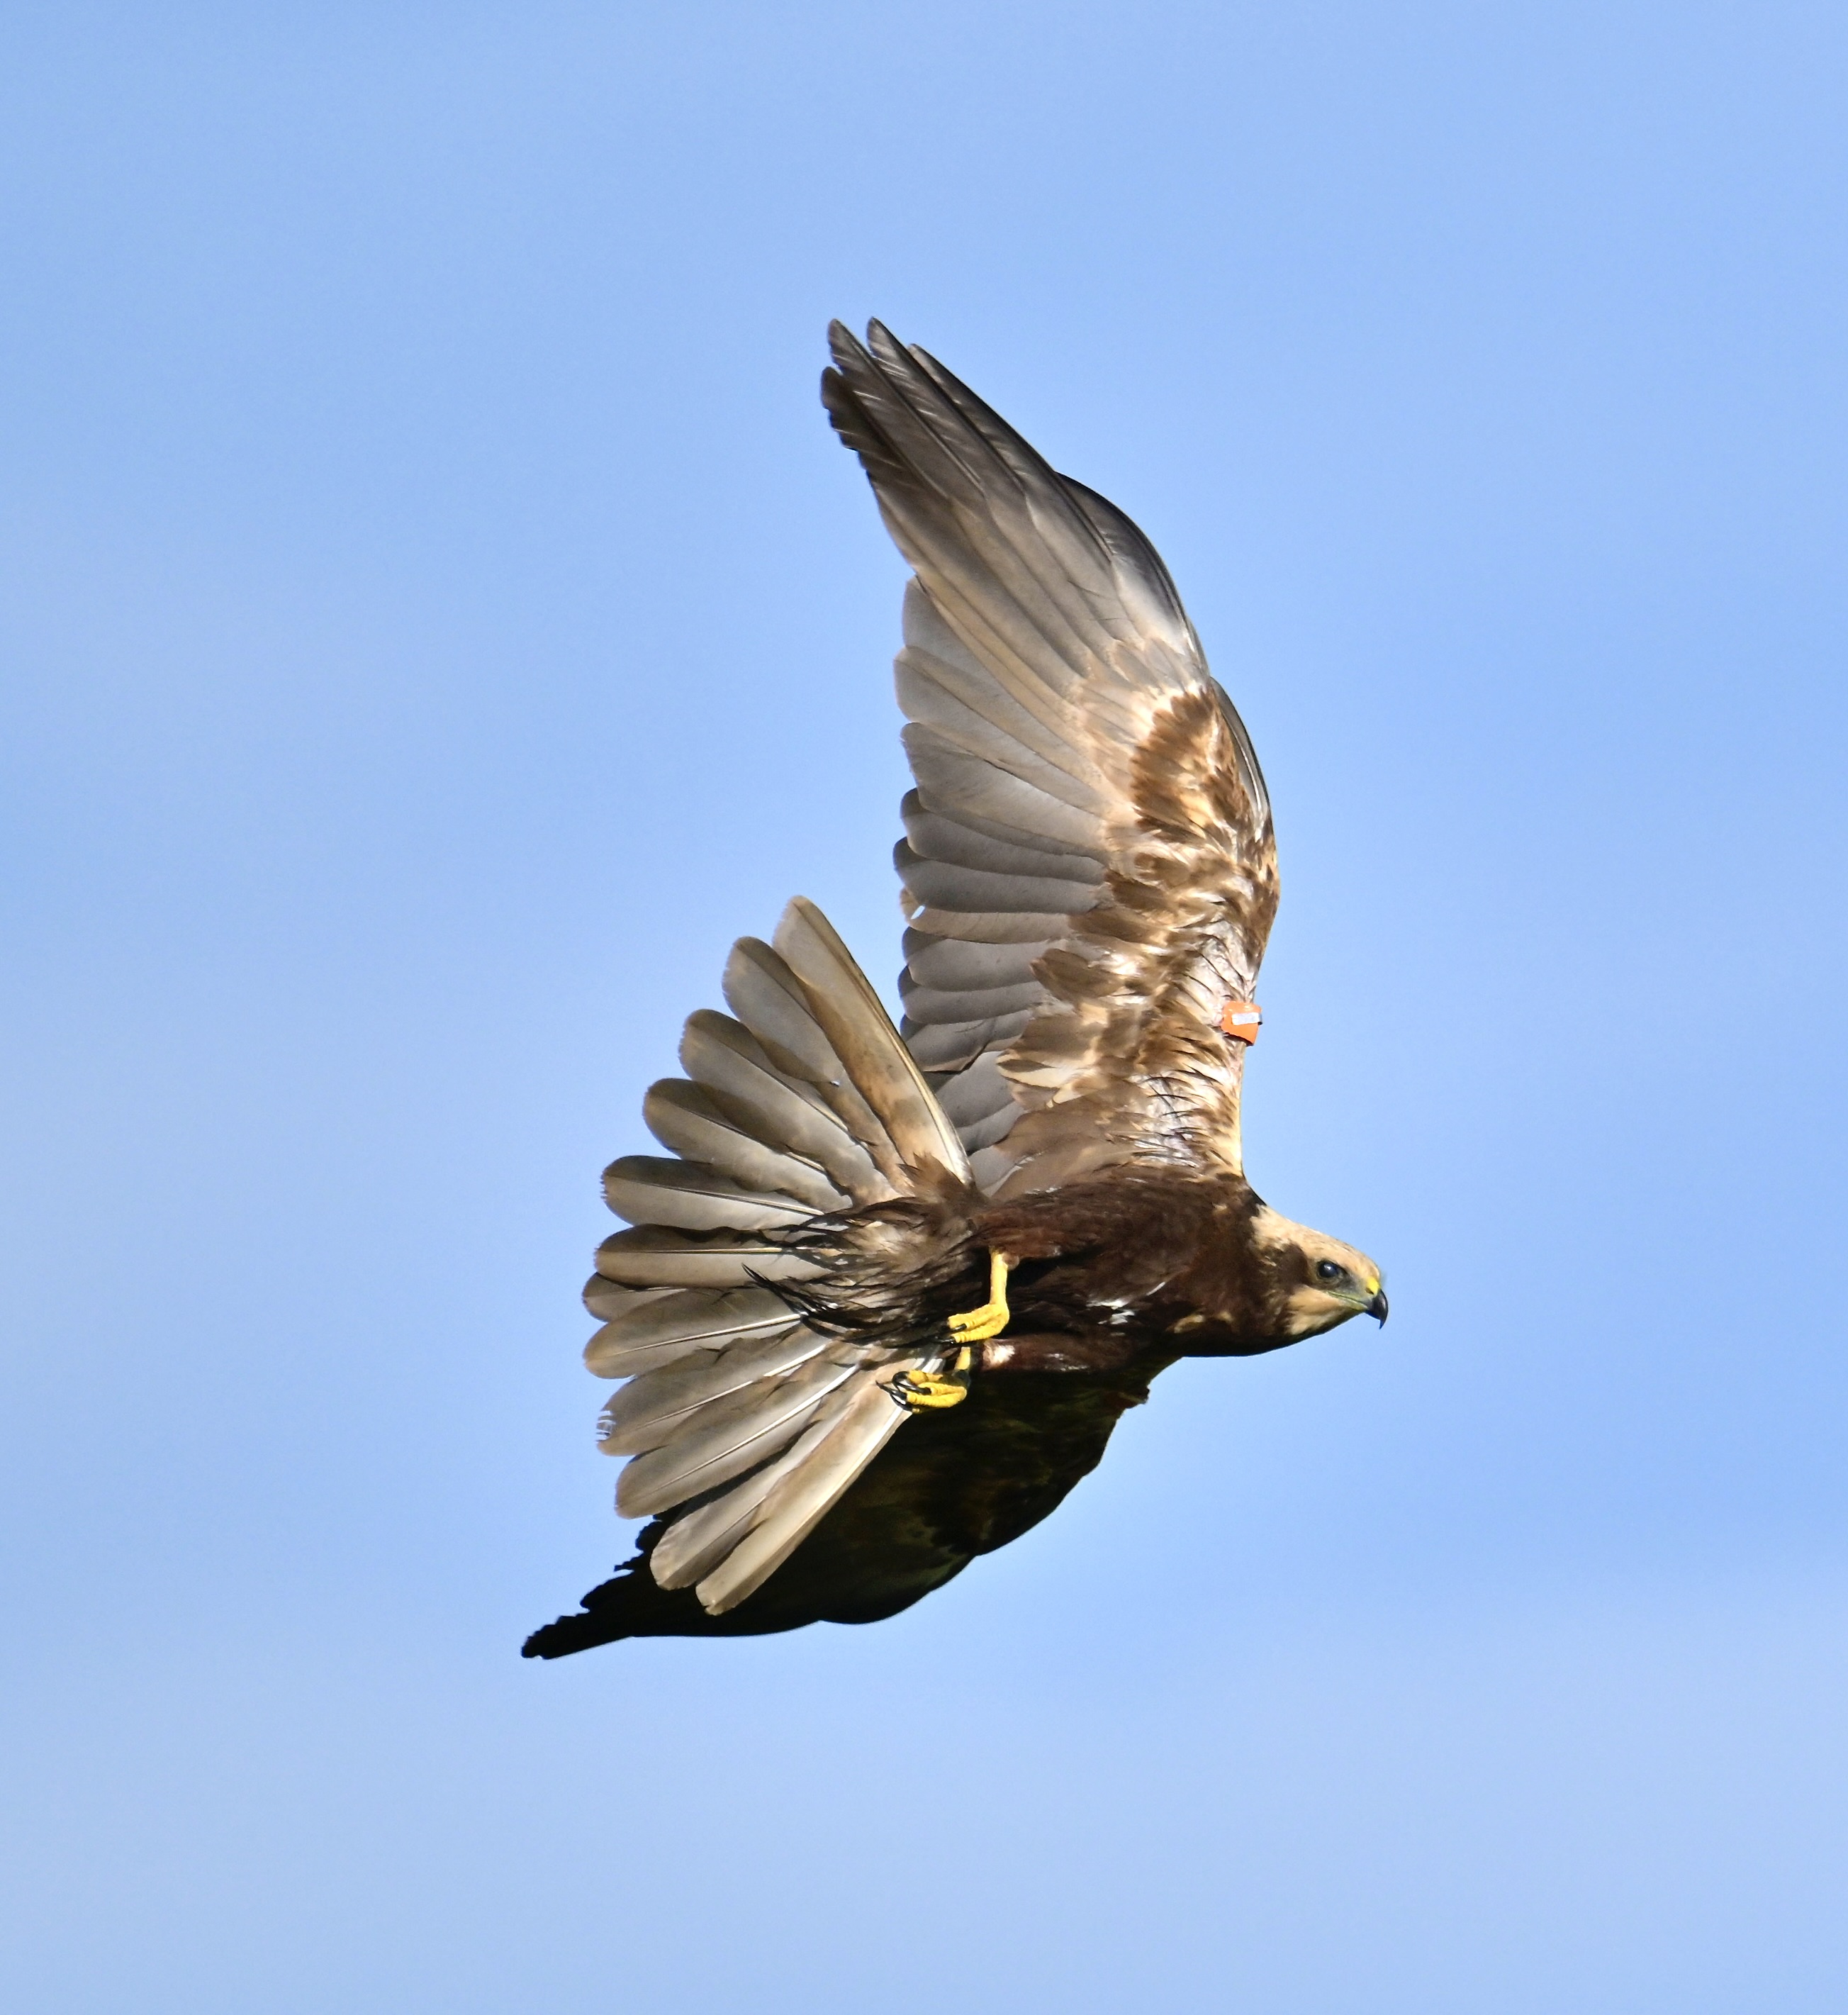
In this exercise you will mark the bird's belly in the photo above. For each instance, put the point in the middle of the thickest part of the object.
(1060, 1350)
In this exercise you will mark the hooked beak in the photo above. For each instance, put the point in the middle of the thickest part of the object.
(1376, 1307)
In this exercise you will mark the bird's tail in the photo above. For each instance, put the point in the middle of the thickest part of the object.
(742, 1423)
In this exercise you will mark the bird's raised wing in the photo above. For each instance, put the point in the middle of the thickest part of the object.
(1089, 864)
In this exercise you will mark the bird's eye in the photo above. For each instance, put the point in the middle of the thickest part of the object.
(1326, 1269)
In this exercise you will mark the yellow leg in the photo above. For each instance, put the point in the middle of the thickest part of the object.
(979, 1324)
(950, 1388)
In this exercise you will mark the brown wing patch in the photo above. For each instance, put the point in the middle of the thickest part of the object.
(1128, 1062)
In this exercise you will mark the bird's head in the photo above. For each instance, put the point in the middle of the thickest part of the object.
(1317, 1281)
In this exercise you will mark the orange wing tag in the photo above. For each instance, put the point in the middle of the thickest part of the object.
(1239, 1020)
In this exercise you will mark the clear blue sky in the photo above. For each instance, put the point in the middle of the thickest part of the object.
(436, 620)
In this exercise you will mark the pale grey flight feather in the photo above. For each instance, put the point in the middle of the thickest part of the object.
(663, 1325)
(808, 1101)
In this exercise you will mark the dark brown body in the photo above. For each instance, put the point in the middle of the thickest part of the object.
(1135, 1260)
(1104, 1270)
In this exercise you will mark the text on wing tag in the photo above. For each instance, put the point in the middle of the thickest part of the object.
(1240, 1019)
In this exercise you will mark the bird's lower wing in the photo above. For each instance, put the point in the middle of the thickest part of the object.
(953, 1486)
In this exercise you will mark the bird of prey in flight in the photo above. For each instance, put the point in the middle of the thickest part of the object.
(889, 1291)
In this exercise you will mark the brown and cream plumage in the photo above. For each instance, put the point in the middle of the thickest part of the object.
(821, 1423)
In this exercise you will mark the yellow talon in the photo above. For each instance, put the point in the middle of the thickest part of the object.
(979, 1324)
(914, 1389)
